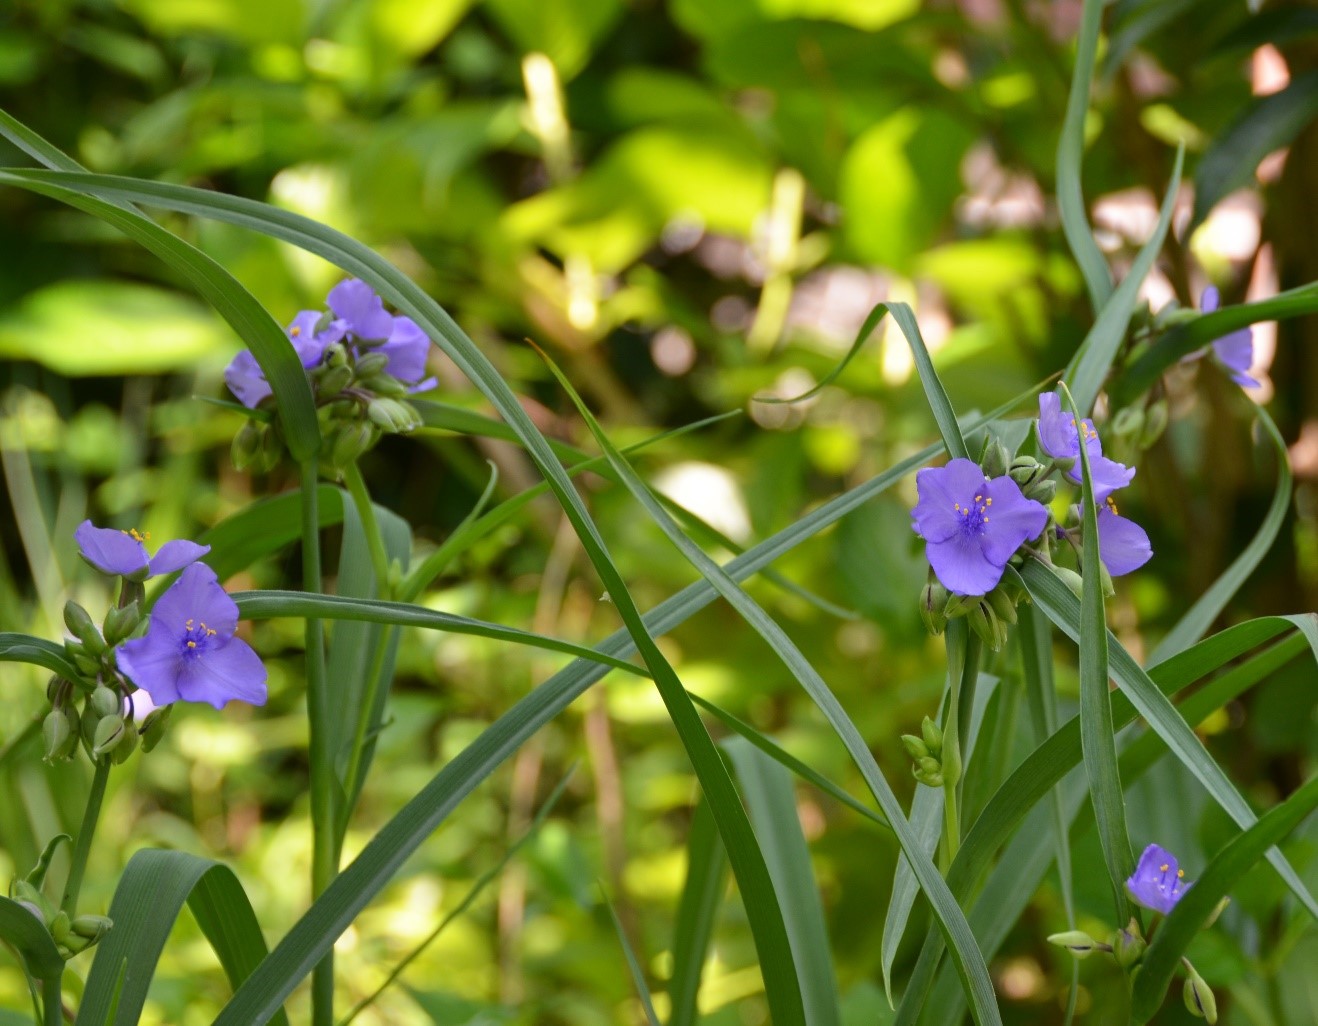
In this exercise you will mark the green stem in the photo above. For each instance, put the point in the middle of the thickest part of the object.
(324, 866)
(361, 498)
(351, 782)
(52, 1001)
(83, 846)
(951, 842)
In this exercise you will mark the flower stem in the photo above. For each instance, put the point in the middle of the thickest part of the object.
(361, 498)
(83, 846)
(52, 1001)
(352, 784)
(324, 864)
(963, 652)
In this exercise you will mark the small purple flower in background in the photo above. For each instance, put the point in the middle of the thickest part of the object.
(123, 553)
(1235, 352)
(1123, 545)
(360, 311)
(407, 349)
(1059, 437)
(190, 652)
(1158, 882)
(972, 525)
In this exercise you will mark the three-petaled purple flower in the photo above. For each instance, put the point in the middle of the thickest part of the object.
(1123, 545)
(360, 311)
(1158, 882)
(189, 651)
(244, 376)
(1235, 352)
(972, 524)
(1060, 436)
(123, 553)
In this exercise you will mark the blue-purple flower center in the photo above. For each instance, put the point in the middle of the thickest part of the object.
(974, 516)
(196, 638)
(1081, 431)
(1168, 884)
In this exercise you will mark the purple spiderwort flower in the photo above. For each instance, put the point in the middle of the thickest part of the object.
(1123, 545)
(1059, 437)
(244, 376)
(1235, 352)
(1158, 882)
(972, 525)
(407, 349)
(123, 553)
(360, 311)
(189, 651)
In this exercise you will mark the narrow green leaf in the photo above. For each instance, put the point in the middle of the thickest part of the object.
(1059, 605)
(1192, 335)
(1199, 617)
(265, 605)
(862, 336)
(1070, 154)
(28, 935)
(633, 963)
(265, 527)
(151, 894)
(23, 648)
(1097, 737)
(969, 962)
(1092, 361)
(697, 912)
(941, 406)
(1269, 123)
(771, 800)
(1198, 903)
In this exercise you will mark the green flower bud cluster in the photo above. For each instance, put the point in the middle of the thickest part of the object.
(91, 649)
(1136, 427)
(1127, 947)
(926, 752)
(72, 933)
(1034, 478)
(989, 615)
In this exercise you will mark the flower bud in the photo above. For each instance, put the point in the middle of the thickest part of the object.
(351, 441)
(1155, 423)
(984, 622)
(1071, 579)
(1199, 998)
(1063, 463)
(81, 627)
(109, 733)
(106, 701)
(384, 384)
(996, 459)
(1106, 579)
(333, 380)
(1002, 604)
(59, 926)
(933, 602)
(271, 450)
(930, 778)
(960, 605)
(933, 736)
(93, 928)
(246, 445)
(1128, 945)
(1041, 491)
(57, 690)
(121, 621)
(1128, 423)
(335, 355)
(58, 738)
(1025, 470)
(31, 898)
(1079, 943)
(371, 364)
(393, 416)
(915, 748)
(153, 727)
(1218, 909)
(125, 747)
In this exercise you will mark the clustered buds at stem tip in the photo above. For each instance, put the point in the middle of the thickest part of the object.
(1079, 943)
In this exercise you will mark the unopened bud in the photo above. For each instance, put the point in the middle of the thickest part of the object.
(384, 385)
(984, 622)
(153, 727)
(271, 450)
(121, 621)
(1071, 579)
(59, 926)
(335, 355)
(933, 736)
(93, 928)
(933, 602)
(351, 441)
(333, 380)
(996, 459)
(1025, 470)
(246, 445)
(81, 627)
(915, 748)
(31, 897)
(1077, 942)
(960, 605)
(1063, 463)
(57, 690)
(106, 701)
(393, 416)
(59, 740)
(371, 364)
(1199, 998)
(928, 778)
(109, 733)
(1128, 945)
(126, 745)
(1128, 423)
(1002, 604)
(1155, 423)
(1042, 491)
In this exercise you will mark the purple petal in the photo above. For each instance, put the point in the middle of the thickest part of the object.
(1056, 436)
(196, 596)
(110, 551)
(362, 311)
(1012, 519)
(1157, 882)
(1122, 544)
(175, 555)
(226, 671)
(246, 380)
(941, 490)
(1209, 300)
(962, 567)
(424, 386)
(1107, 476)
(153, 662)
(407, 350)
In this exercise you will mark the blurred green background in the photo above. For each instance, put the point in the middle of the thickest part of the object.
(690, 204)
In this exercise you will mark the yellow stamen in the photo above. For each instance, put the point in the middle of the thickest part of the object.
(988, 502)
(192, 644)
(1180, 874)
(188, 624)
(1112, 505)
(295, 332)
(1163, 868)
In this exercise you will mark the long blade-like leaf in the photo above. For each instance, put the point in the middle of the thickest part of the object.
(23, 648)
(706, 867)
(28, 935)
